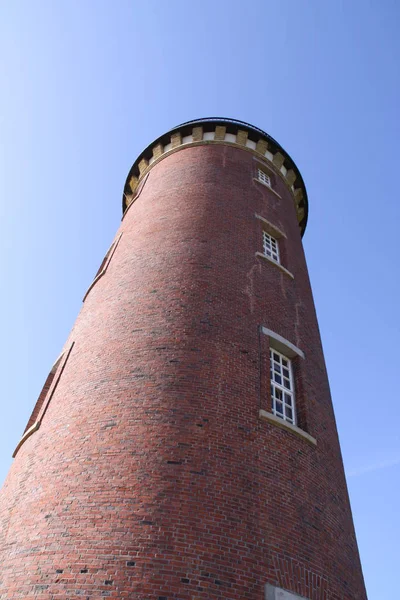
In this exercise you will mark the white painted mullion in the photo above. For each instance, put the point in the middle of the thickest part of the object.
(289, 392)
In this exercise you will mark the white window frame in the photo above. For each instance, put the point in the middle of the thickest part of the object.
(271, 247)
(283, 403)
(281, 345)
(264, 177)
(276, 593)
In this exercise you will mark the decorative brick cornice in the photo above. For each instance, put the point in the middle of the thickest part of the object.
(228, 132)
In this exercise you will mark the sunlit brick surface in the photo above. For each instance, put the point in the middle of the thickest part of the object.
(152, 476)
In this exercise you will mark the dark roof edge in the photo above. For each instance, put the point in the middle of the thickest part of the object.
(233, 122)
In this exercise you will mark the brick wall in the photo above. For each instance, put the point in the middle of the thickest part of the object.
(152, 475)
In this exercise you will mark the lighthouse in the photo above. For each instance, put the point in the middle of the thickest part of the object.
(184, 445)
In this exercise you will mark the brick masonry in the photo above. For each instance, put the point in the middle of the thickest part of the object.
(152, 475)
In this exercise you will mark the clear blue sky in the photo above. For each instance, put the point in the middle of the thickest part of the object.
(86, 85)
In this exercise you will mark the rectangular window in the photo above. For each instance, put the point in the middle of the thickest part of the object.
(282, 388)
(270, 246)
(264, 178)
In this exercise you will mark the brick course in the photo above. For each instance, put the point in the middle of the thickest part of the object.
(152, 475)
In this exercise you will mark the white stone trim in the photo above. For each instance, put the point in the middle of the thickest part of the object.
(264, 414)
(218, 136)
(274, 593)
(281, 267)
(26, 435)
(274, 229)
(281, 344)
(271, 189)
(268, 155)
(230, 137)
(208, 135)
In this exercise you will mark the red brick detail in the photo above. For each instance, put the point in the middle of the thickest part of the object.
(296, 577)
(152, 475)
(44, 399)
(40, 400)
(137, 194)
(54, 383)
(104, 265)
(258, 164)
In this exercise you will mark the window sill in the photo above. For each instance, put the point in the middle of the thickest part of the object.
(95, 280)
(268, 187)
(273, 229)
(26, 435)
(106, 261)
(288, 426)
(265, 257)
(276, 593)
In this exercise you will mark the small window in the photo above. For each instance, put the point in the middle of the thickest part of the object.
(264, 178)
(282, 388)
(270, 247)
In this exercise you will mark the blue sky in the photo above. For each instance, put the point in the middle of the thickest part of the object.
(84, 86)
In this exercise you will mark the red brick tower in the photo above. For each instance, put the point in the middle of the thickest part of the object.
(184, 445)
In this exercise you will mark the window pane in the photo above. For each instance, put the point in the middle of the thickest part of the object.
(282, 397)
(288, 399)
(262, 176)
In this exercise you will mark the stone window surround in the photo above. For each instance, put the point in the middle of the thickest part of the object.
(104, 264)
(58, 368)
(274, 593)
(275, 232)
(270, 188)
(291, 351)
(271, 246)
(282, 386)
(261, 165)
(271, 260)
(272, 229)
(263, 176)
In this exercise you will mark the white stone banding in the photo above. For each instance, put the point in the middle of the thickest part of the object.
(228, 132)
